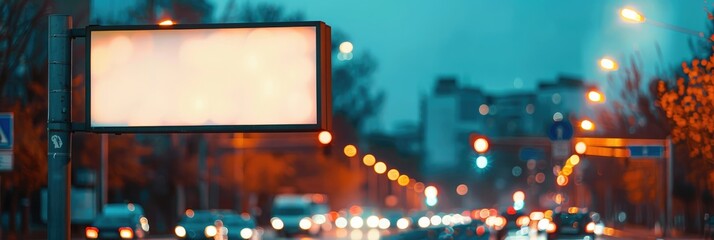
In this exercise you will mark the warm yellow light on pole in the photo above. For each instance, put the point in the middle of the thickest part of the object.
(587, 125)
(608, 64)
(393, 174)
(632, 15)
(581, 147)
(380, 167)
(346, 47)
(562, 180)
(369, 160)
(595, 96)
(325, 137)
(350, 150)
(403, 180)
(574, 160)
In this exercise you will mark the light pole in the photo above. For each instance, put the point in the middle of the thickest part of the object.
(632, 15)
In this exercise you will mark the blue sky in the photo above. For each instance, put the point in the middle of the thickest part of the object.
(490, 44)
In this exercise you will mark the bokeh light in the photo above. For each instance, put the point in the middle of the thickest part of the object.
(462, 189)
(380, 167)
(350, 150)
(369, 160)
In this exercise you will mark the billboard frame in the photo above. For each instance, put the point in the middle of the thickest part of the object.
(323, 82)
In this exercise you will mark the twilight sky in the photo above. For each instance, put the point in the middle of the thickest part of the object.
(494, 44)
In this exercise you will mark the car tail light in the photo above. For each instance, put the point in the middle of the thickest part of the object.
(551, 228)
(91, 232)
(126, 233)
(480, 230)
(590, 227)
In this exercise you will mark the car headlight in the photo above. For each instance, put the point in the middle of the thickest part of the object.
(246, 233)
(402, 223)
(91, 232)
(356, 222)
(277, 223)
(305, 223)
(180, 231)
(126, 233)
(551, 228)
(590, 228)
(210, 231)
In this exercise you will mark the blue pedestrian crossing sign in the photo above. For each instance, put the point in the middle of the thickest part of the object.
(6, 132)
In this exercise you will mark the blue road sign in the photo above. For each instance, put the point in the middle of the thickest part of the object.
(646, 151)
(560, 130)
(6, 132)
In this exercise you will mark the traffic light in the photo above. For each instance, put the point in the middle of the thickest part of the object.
(479, 143)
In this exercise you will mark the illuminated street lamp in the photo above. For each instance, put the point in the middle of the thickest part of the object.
(380, 167)
(350, 150)
(346, 47)
(632, 15)
(403, 180)
(393, 174)
(595, 96)
(587, 125)
(369, 160)
(580, 147)
(608, 64)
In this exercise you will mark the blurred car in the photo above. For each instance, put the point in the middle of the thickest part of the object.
(571, 224)
(202, 224)
(119, 221)
(292, 215)
(517, 223)
(240, 226)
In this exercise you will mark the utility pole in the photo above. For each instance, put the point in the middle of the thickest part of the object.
(59, 126)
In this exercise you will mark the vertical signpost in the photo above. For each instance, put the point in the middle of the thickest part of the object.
(6, 141)
(255, 77)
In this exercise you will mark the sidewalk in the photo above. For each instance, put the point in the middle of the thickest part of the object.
(641, 232)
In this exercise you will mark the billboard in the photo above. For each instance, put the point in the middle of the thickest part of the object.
(209, 78)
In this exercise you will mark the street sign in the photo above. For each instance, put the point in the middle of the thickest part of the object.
(258, 77)
(5, 161)
(6, 131)
(560, 130)
(646, 151)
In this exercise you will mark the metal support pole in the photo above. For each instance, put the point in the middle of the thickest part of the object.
(59, 126)
(203, 173)
(102, 185)
(668, 194)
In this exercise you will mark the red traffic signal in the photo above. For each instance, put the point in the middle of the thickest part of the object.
(479, 143)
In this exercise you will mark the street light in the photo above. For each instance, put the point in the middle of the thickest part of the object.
(380, 167)
(632, 15)
(403, 180)
(580, 147)
(369, 160)
(393, 174)
(350, 150)
(595, 96)
(608, 64)
(587, 125)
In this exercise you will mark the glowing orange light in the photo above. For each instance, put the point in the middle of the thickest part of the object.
(325, 137)
(587, 125)
(632, 15)
(393, 174)
(562, 180)
(350, 150)
(167, 22)
(419, 187)
(403, 180)
(567, 170)
(380, 167)
(595, 96)
(369, 160)
(481, 145)
(608, 64)
(574, 160)
(462, 189)
(580, 147)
